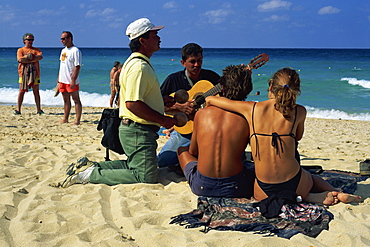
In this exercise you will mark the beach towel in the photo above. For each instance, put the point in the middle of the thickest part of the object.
(241, 214)
(28, 76)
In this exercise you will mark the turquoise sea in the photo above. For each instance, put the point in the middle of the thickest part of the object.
(335, 83)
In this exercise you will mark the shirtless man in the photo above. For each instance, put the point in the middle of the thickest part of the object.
(213, 162)
(113, 88)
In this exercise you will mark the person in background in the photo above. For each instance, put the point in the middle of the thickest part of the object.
(68, 79)
(275, 125)
(192, 60)
(113, 87)
(116, 83)
(142, 113)
(29, 72)
(213, 163)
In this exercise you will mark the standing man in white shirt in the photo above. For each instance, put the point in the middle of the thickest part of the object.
(69, 70)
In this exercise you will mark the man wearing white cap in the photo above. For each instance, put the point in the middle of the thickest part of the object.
(142, 113)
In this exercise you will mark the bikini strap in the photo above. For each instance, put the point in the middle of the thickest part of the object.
(275, 141)
(254, 132)
(254, 105)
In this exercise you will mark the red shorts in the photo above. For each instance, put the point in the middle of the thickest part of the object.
(67, 88)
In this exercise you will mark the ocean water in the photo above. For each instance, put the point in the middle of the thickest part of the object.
(335, 83)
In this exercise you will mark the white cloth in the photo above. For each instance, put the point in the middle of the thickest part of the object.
(69, 59)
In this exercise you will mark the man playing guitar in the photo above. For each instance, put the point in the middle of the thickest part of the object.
(192, 60)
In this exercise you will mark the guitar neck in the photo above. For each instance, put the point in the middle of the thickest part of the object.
(213, 91)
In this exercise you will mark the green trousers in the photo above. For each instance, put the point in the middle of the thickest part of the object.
(140, 146)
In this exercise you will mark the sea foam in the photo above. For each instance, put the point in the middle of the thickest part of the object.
(9, 96)
(355, 81)
(335, 114)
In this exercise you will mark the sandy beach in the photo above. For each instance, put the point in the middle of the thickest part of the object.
(36, 150)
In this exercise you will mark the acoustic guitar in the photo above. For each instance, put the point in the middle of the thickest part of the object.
(204, 88)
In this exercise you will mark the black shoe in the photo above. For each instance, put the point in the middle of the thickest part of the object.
(15, 112)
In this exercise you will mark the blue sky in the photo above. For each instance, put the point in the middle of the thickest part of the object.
(211, 23)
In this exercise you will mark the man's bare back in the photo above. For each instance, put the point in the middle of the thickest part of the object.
(220, 139)
(213, 163)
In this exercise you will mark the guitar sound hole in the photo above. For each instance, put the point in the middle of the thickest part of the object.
(199, 100)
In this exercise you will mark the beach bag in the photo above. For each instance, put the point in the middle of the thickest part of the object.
(109, 123)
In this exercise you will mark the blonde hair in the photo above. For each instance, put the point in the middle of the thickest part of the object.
(285, 86)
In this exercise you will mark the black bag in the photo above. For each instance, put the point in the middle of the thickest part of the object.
(109, 123)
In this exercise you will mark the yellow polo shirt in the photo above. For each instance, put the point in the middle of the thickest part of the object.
(138, 81)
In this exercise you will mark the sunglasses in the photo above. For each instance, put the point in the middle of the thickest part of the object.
(64, 38)
(30, 39)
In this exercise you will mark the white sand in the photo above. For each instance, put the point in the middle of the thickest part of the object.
(36, 150)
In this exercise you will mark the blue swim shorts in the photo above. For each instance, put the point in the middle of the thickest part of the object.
(239, 185)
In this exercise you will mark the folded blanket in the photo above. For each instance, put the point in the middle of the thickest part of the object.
(241, 214)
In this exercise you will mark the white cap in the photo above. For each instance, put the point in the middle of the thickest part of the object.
(139, 27)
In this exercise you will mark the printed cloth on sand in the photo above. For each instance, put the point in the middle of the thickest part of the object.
(239, 214)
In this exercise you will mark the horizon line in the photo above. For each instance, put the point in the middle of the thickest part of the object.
(117, 47)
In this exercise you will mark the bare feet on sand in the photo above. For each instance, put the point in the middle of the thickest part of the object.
(347, 198)
(330, 198)
(64, 121)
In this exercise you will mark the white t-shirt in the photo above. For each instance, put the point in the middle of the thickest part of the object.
(69, 59)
